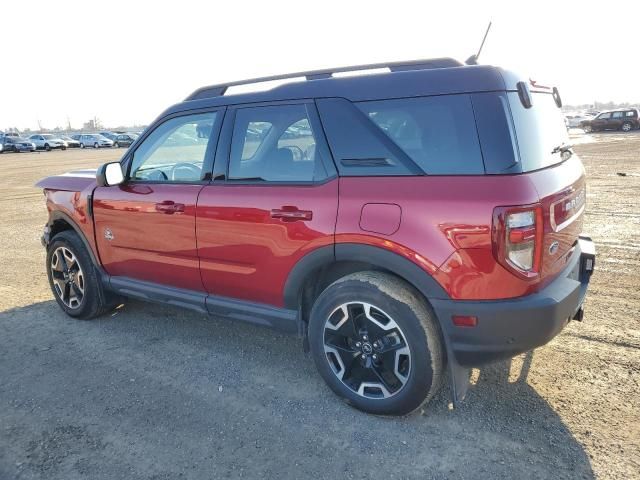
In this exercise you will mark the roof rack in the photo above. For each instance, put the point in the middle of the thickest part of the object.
(425, 64)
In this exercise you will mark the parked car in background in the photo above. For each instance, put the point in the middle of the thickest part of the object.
(110, 135)
(575, 120)
(124, 140)
(47, 141)
(9, 134)
(17, 144)
(71, 143)
(94, 140)
(625, 119)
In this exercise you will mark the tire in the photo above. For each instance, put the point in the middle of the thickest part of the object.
(82, 145)
(95, 145)
(396, 359)
(93, 302)
(63, 148)
(587, 129)
(626, 127)
(47, 147)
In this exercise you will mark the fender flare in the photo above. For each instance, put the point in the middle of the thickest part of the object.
(390, 261)
(59, 215)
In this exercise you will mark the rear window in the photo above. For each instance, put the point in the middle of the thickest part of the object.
(538, 131)
(437, 133)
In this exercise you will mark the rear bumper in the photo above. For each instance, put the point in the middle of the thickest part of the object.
(506, 328)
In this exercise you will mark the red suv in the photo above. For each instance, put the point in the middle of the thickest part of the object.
(400, 223)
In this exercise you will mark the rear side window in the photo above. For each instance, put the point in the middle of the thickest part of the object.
(539, 131)
(437, 133)
(274, 144)
(617, 114)
(496, 132)
(630, 114)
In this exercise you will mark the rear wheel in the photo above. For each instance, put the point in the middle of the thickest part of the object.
(73, 278)
(626, 127)
(376, 343)
(95, 145)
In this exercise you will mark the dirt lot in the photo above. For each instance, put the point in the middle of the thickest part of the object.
(159, 393)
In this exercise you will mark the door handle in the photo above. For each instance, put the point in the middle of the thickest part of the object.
(291, 214)
(169, 207)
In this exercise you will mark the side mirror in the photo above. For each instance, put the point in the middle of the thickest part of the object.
(109, 174)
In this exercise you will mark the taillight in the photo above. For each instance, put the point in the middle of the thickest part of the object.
(517, 238)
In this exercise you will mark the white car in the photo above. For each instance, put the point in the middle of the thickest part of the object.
(46, 141)
(573, 121)
(94, 140)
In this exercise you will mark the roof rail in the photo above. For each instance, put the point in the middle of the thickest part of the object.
(220, 89)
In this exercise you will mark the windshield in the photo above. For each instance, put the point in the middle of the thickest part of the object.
(47, 136)
(540, 130)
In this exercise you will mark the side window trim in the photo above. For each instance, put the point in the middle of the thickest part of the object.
(207, 166)
(223, 153)
(326, 110)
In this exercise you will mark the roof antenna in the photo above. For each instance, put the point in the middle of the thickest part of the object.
(473, 59)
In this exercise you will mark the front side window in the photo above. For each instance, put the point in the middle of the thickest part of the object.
(604, 116)
(437, 133)
(274, 144)
(175, 150)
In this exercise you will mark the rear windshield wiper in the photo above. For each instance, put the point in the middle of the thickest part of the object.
(565, 147)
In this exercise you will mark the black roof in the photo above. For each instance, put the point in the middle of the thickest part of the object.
(405, 79)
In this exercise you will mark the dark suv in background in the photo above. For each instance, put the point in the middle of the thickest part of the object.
(399, 222)
(625, 119)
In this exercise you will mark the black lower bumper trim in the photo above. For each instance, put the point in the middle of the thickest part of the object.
(509, 327)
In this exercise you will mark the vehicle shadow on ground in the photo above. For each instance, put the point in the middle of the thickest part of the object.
(213, 397)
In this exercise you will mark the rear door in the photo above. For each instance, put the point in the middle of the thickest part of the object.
(275, 199)
(145, 227)
(616, 120)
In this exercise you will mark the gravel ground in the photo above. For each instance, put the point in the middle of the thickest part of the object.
(153, 392)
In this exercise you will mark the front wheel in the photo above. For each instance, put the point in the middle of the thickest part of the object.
(95, 145)
(116, 145)
(47, 147)
(82, 145)
(73, 278)
(376, 343)
(587, 129)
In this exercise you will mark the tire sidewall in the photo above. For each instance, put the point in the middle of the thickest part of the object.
(421, 375)
(91, 301)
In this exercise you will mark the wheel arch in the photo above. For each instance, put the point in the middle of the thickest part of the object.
(60, 222)
(318, 269)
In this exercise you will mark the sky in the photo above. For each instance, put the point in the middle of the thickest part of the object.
(125, 61)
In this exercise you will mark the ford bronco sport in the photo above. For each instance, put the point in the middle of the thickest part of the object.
(402, 223)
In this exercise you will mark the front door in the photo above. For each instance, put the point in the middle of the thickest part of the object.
(145, 227)
(278, 202)
(601, 121)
